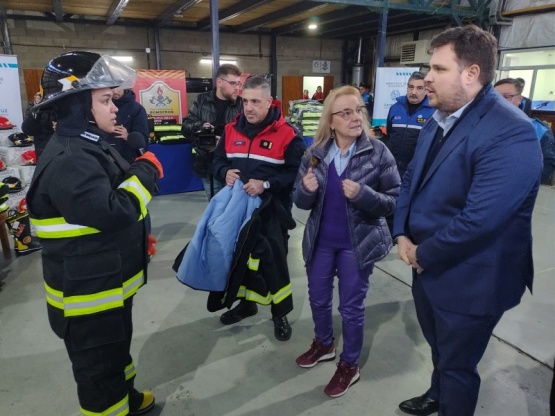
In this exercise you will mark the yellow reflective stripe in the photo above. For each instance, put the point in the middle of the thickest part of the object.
(282, 294)
(54, 297)
(93, 303)
(253, 264)
(79, 305)
(130, 286)
(60, 228)
(134, 186)
(168, 127)
(130, 371)
(171, 137)
(121, 408)
(251, 295)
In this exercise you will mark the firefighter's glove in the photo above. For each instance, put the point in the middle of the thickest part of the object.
(151, 245)
(150, 157)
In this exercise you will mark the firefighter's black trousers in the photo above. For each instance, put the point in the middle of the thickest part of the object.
(98, 347)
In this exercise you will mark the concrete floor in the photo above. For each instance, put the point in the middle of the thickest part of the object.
(196, 366)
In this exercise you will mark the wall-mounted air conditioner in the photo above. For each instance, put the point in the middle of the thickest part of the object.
(415, 52)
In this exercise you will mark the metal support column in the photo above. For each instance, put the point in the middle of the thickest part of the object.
(157, 46)
(215, 29)
(273, 64)
(344, 65)
(382, 30)
(5, 32)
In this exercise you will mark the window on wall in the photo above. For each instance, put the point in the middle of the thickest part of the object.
(537, 68)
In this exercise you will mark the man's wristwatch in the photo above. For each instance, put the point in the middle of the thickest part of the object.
(266, 185)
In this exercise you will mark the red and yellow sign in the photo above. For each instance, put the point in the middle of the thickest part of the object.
(162, 94)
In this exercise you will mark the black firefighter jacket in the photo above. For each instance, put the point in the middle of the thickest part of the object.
(259, 271)
(89, 213)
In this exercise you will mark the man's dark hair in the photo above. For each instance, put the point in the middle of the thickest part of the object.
(472, 45)
(226, 69)
(517, 82)
(256, 81)
(417, 75)
(504, 81)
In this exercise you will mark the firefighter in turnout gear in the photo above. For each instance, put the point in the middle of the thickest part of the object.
(88, 207)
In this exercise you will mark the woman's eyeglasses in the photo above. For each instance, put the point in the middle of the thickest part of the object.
(348, 112)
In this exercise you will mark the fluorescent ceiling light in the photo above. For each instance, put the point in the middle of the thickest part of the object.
(313, 26)
(222, 61)
(123, 58)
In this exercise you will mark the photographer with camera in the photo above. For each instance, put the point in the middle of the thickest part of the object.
(206, 120)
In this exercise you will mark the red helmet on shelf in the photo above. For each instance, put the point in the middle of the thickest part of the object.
(29, 157)
(5, 124)
(22, 206)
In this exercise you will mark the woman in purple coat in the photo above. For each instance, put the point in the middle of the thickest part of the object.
(349, 182)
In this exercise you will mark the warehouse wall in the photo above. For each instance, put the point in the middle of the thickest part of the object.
(36, 42)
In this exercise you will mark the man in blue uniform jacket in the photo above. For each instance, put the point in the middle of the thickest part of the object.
(463, 217)
(405, 120)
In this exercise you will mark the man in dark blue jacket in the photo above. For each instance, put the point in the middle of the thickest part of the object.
(131, 117)
(405, 119)
(464, 214)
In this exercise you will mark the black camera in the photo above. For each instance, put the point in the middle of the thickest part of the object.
(205, 139)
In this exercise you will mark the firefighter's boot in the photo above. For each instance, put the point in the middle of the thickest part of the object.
(20, 228)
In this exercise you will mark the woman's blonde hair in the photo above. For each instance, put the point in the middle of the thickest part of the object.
(323, 133)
